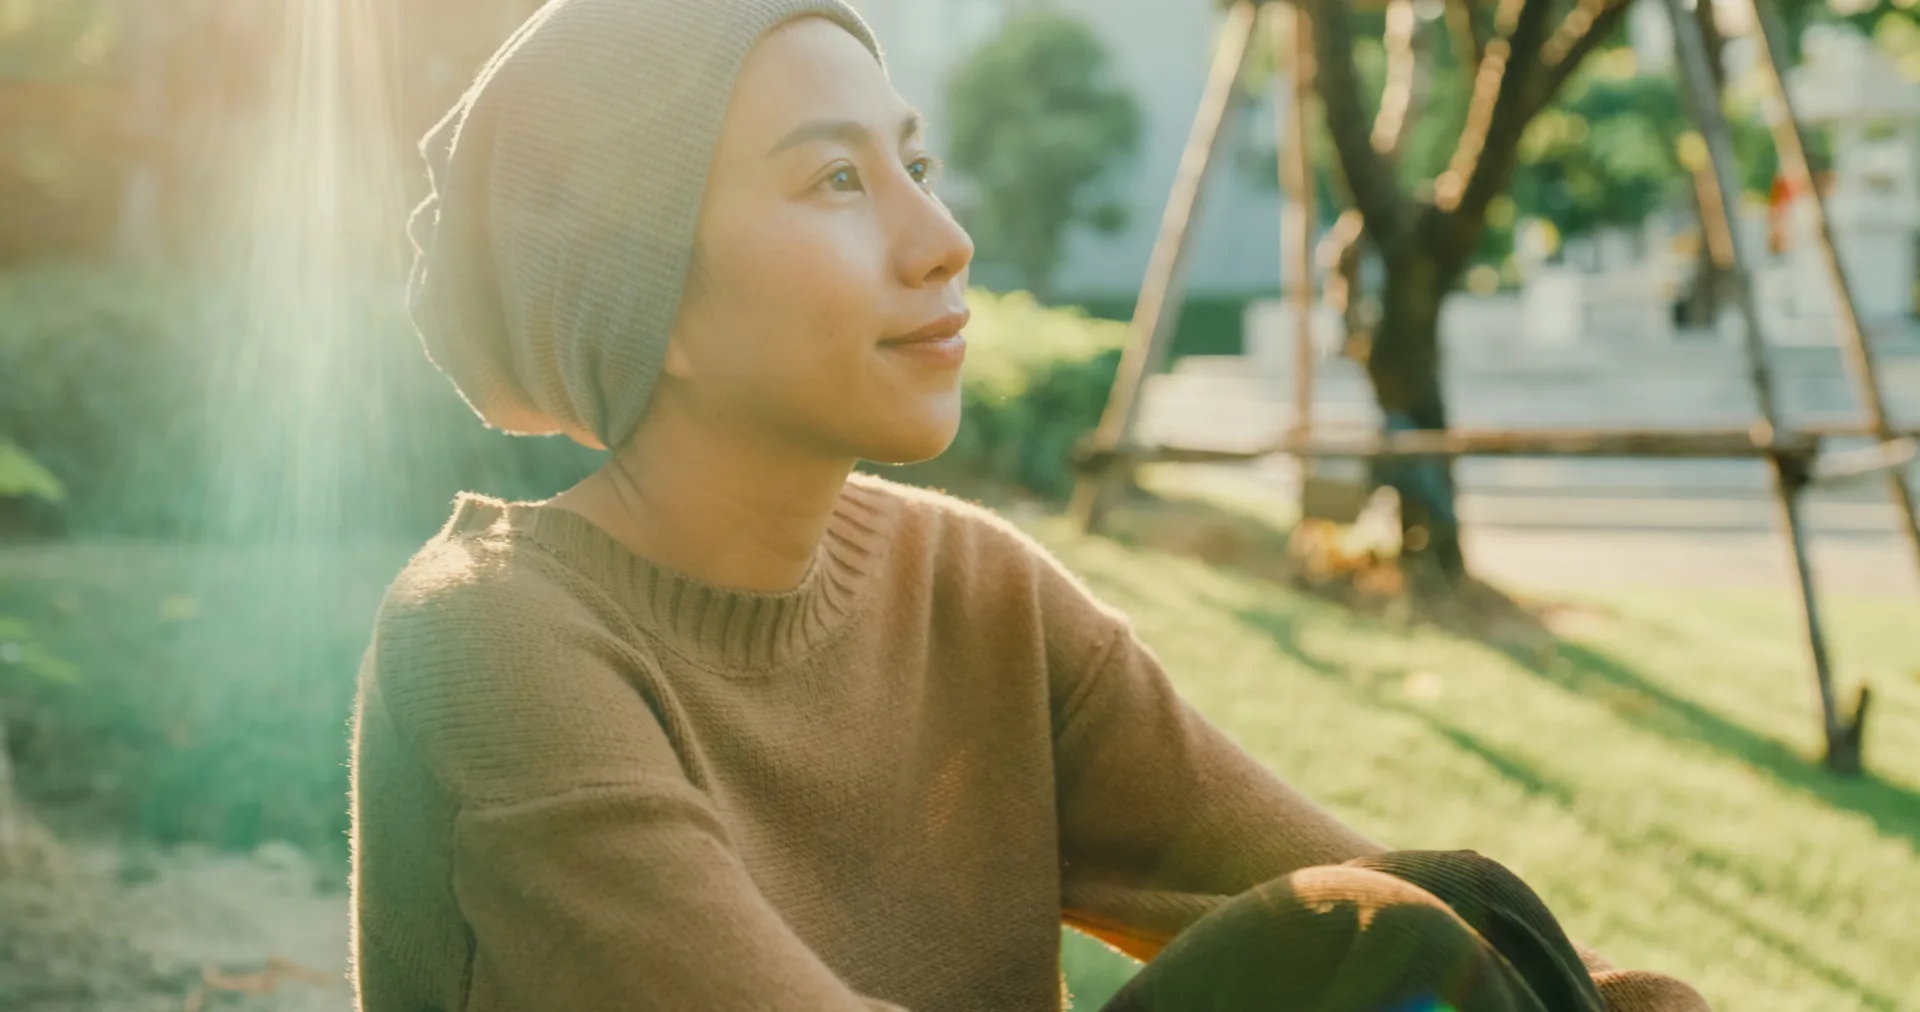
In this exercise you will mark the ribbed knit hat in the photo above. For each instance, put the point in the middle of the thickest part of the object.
(566, 189)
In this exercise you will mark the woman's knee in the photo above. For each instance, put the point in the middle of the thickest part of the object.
(1328, 888)
(1504, 911)
(1335, 937)
(1483, 892)
(1448, 874)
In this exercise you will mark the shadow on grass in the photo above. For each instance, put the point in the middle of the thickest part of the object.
(1536, 785)
(1582, 670)
(1278, 627)
(1894, 810)
(1644, 704)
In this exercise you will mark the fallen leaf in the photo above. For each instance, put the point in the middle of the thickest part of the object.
(1424, 686)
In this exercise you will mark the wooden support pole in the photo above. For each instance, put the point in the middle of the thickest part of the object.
(1790, 141)
(1296, 181)
(1703, 99)
(1158, 308)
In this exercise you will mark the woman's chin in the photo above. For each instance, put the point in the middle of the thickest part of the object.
(917, 439)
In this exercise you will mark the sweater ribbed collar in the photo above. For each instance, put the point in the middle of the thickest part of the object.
(732, 631)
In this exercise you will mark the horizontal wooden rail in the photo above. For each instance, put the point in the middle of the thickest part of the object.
(1866, 462)
(1803, 444)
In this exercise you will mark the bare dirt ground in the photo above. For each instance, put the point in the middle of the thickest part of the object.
(130, 928)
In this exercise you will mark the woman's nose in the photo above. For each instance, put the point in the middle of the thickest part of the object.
(934, 248)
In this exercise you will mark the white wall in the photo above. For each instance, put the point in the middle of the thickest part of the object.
(1161, 51)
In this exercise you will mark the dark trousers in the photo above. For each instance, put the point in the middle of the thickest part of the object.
(1407, 931)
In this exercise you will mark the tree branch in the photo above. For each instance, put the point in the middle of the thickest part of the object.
(1396, 98)
(1469, 32)
(1715, 41)
(1339, 255)
(1369, 176)
(1585, 27)
(1498, 113)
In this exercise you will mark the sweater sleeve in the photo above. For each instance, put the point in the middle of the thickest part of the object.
(592, 872)
(1162, 816)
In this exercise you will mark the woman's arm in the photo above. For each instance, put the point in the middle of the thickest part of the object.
(1162, 816)
(592, 872)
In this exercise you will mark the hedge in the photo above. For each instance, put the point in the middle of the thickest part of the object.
(201, 691)
(145, 396)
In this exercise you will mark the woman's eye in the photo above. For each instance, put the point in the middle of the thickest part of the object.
(843, 180)
(924, 170)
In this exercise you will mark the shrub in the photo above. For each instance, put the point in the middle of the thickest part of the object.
(189, 692)
(1037, 381)
(201, 692)
(22, 477)
(143, 396)
(1039, 123)
(146, 397)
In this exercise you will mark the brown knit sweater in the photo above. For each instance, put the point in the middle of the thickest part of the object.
(582, 781)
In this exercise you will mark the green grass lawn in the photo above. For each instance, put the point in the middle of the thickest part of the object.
(1650, 777)
(1652, 780)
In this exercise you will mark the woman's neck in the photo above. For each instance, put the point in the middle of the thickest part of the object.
(719, 506)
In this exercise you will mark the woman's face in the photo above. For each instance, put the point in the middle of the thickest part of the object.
(828, 294)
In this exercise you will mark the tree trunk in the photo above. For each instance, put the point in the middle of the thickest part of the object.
(24, 845)
(1404, 365)
(1700, 302)
(1700, 305)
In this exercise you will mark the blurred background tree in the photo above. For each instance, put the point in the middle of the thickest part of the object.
(1618, 148)
(1426, 218)
(1454, 124)
(23, 844)
(1037, 125)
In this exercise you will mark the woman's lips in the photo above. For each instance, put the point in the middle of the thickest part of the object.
(938, 342)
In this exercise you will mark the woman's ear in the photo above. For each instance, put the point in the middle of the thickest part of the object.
(678, 364)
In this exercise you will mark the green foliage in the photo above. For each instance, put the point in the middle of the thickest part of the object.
(204, 691)
(1036, 381)
(1618, 145)
(129, 390)
(1036, 125)
(209, 683)
(91, 371)
(21, 476)
(165, 413)
(1605, 154)
(1894, 24)
(1897, 32)
(23, 654)
(1209, 324)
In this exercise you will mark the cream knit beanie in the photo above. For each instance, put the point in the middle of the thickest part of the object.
(566, 188)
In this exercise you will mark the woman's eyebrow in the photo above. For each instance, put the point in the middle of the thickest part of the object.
(849, 132)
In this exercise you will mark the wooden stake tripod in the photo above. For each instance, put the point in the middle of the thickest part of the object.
(1110, 454)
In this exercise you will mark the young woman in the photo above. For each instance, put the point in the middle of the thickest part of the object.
(727, 726)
